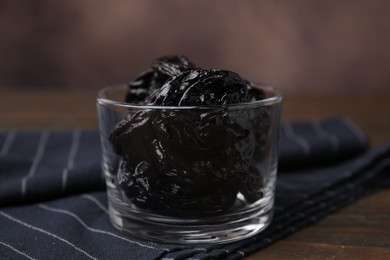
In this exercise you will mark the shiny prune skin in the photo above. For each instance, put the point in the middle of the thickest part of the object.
(202, 88)
(150, 80)
(172, 65)
(143, 85)
(183, 170)
(193, 161)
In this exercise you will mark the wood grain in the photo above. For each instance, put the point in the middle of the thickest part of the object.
(359, 231)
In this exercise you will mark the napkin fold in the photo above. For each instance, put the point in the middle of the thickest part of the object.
(53, 201)
(319, 142)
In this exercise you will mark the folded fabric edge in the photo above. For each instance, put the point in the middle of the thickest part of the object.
(299, 145)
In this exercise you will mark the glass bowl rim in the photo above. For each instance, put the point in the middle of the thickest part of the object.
(274, 99)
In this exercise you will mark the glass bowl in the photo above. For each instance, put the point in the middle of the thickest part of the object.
(190, 175)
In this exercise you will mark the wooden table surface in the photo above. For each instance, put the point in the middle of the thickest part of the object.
(359, 231)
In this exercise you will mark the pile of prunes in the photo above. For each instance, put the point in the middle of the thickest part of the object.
(190, 152)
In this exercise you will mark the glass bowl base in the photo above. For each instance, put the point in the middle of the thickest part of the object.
(193, 231)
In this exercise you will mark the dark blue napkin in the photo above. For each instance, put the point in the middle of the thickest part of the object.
(53, 203)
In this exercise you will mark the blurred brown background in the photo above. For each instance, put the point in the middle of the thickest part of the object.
(300, 45)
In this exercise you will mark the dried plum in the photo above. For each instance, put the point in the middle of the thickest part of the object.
(202, 88)
(172, 65)
(169, 165)
(150, 80)
(140, 88)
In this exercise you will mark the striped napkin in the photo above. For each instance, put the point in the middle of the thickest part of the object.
(53, 203)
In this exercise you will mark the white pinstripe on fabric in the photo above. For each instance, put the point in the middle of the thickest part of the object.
(38, 156)
(76, 137)
(355, 130)
(67, 212)
(96, 201)
(320, 131)
(7, 143)
(290, 133)
(45, 232)
(16, 250)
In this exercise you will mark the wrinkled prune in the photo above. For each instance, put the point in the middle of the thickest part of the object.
(202, 88)
(150, 80)
(140, 88)
(167, 164)
(191, 160)
(172, 65)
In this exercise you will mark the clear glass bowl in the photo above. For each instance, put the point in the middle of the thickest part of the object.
(190, 175)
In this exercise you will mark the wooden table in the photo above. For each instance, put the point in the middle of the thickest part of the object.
(359, 231)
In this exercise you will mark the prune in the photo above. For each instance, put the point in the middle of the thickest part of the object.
(202, 88)
(172, 65)
(143, 85)
(190, 160)
(150, 80)
(168, 165)
(148, 190)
